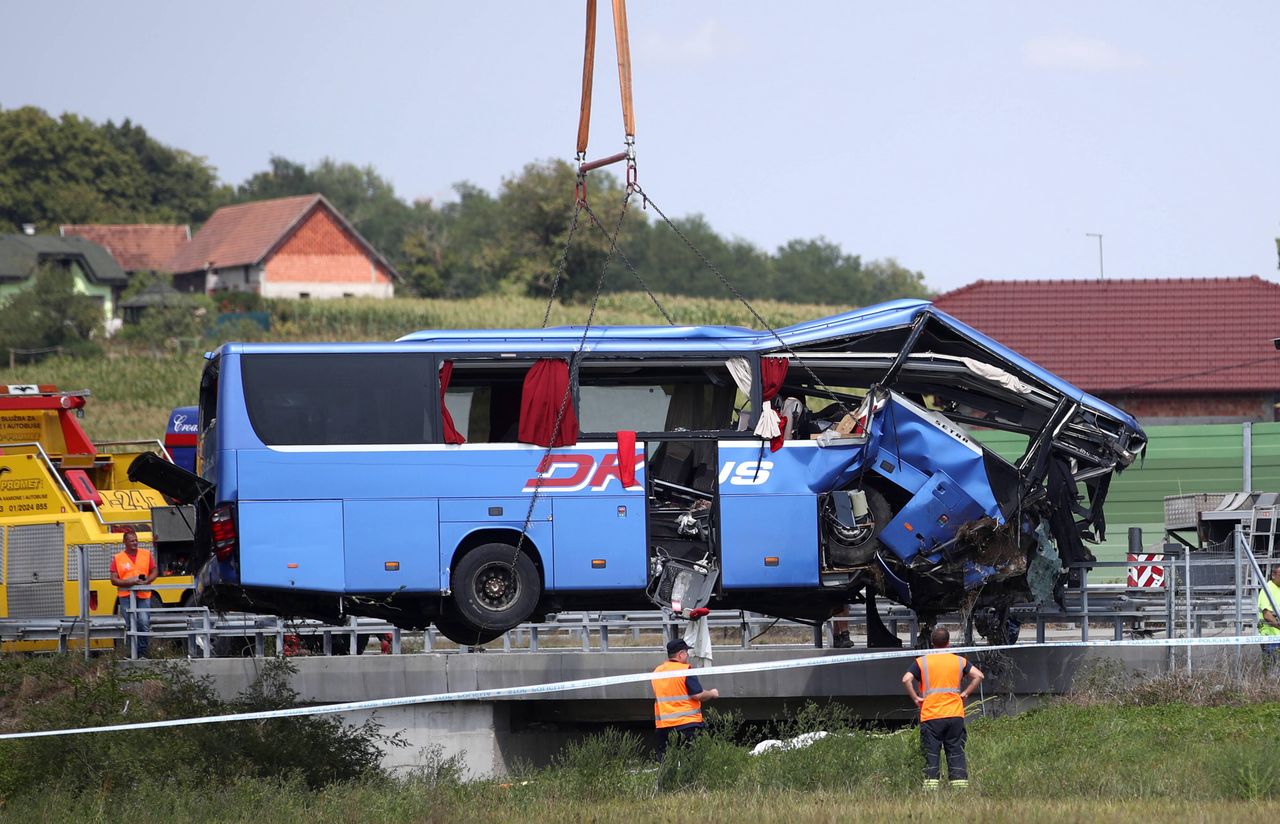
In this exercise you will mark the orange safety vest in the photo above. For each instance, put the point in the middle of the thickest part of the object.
(127, 567)
(672, 704)
(940, 675)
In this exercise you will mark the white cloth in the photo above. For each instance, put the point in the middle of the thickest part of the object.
(997, 375)
(799, 742)
(697, 634)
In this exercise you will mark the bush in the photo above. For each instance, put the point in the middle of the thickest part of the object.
(65, 692)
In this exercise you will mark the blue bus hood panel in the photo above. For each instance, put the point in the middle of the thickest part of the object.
(928, 444)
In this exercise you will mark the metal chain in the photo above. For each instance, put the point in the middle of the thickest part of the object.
(707, 262)
(631, 268)
(578, 205)
(574, 365)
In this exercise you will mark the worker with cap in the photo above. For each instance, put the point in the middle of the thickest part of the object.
(1268, 621)
(677, 700)
(941, 703)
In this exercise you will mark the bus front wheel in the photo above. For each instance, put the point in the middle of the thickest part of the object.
(495, 587)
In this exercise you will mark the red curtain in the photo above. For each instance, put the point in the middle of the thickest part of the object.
(773, 373)
(627, 457)
(451, 433)
(546, 392)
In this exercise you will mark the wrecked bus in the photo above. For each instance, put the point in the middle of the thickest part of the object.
(478, 479)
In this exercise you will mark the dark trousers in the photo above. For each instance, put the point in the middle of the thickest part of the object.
(679, 736)
(944, 733)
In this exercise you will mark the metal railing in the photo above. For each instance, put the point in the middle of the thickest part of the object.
(1189, 604)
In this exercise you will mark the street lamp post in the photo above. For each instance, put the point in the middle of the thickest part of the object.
(1098, 235)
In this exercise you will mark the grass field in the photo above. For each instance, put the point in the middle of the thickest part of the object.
(1124, 749)
(133, 388)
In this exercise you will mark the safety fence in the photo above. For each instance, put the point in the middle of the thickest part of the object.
(1201, 594)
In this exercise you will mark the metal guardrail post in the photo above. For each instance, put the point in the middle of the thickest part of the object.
(1186, 554)
(1169, 566)
(82, 566)
(1084, 603)
(132, 625)
(206, 625)
(395, 640)
(1237, 536)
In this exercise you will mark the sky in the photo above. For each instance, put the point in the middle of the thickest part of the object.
(966, 140)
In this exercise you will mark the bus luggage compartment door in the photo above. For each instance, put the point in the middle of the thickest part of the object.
(392, 545)
(296, 545)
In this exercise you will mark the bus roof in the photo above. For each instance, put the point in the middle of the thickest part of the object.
(670, 339)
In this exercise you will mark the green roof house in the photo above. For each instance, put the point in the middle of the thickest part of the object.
(93, 270)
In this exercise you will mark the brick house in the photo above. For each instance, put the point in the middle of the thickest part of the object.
(290, 247)
(137, 247)
(1187, 350)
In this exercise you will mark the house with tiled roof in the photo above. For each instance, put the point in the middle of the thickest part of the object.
(137, 247)
(93, 271)
(1186, 350)
(289, 247)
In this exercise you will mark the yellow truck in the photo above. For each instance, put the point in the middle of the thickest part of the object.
(62, 494)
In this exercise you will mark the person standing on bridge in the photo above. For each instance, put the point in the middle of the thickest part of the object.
(677, 701)
(941, 703)
(131, 571)
(1268, 621)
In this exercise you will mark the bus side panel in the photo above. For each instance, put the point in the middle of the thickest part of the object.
(608, 529)
(754, 528)
(453, 533)
(402, 535)
(295, 544)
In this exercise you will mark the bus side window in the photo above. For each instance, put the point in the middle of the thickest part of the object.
(656, 395)
(484, 400)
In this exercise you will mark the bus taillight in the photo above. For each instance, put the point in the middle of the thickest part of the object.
(222, 525)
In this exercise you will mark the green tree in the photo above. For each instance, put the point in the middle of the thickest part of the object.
(71, 170)
(50, 313)
(889, 280)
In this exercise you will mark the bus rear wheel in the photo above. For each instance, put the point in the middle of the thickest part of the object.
(495, 587)
(464, 634)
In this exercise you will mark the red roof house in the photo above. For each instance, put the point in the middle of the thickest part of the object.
(1193, 350)
(140, 247)
(287, 247)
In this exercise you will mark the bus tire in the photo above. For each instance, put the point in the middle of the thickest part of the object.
(463, 634)
(495, 587)
(862, 552)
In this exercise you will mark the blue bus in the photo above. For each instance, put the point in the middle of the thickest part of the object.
(477, 479)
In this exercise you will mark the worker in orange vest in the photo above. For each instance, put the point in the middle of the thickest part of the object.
(941, 703)
(677, 701)
(131, 570)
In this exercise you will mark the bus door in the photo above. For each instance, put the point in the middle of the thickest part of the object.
(683, 519)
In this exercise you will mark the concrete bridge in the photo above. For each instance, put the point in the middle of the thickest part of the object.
(496, 734)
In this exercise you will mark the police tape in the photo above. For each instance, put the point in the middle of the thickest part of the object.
(638, 677)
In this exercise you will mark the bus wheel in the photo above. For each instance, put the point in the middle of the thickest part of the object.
(463, 633)
(495, 587)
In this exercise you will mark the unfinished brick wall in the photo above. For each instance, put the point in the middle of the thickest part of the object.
(321, 250)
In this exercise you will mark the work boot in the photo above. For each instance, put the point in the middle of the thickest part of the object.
(842, 640)
(960, 784)
(931, 784)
